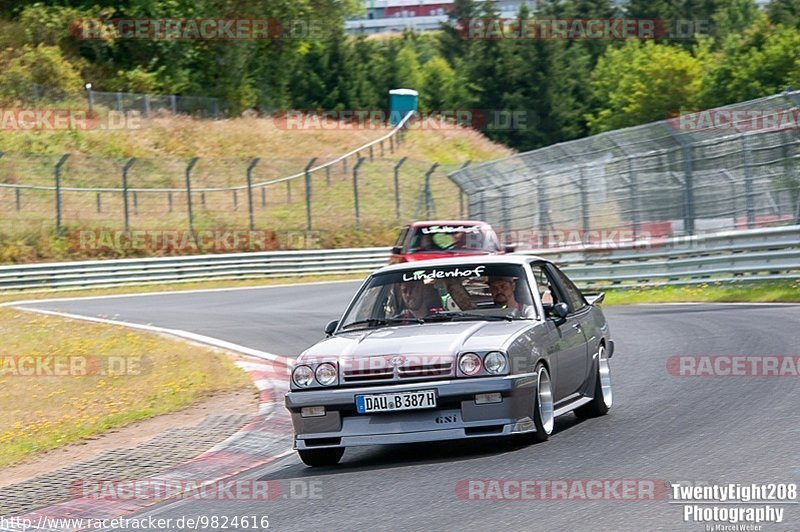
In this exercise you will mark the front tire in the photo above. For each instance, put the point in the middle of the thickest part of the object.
(321, 457)
(543, 410)
(603, 396)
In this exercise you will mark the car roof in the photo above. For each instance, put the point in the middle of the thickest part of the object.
(424, 223)
(518, 259)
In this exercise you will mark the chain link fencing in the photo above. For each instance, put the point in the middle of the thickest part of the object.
(730, 168)
(143, 104)
(303, 199)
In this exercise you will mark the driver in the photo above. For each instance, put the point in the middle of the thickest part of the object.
(503, 291)
(420, 299)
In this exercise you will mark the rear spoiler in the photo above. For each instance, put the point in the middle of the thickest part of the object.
(595, 299)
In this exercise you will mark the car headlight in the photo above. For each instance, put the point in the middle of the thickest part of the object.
(303, 376)
(470, 364)
(326, 374)
(495, 362)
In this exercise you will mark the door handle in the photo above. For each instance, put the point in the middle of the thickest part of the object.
(576, 326)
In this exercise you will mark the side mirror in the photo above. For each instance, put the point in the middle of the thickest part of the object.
(561, 310)
(510, 248)
(396, 250)
(331, 326)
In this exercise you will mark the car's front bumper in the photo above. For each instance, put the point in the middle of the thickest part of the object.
(456, 416)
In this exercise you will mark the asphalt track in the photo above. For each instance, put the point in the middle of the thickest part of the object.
(662, 427)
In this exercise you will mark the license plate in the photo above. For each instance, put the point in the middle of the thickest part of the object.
(392, 402)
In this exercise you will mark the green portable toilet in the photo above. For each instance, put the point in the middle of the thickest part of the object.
(401, 101)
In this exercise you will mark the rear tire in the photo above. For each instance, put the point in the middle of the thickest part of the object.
(603, 396)
(543, 411)
(321, 457)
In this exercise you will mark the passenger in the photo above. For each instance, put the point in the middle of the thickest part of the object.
(503, 291)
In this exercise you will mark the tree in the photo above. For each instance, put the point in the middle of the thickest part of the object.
(453, 42)
(437, 85)
(408, 69)
(784, 12)
(642, 82)
(762, 62)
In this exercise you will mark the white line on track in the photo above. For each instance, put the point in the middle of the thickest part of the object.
(172, 292)
(185, 335)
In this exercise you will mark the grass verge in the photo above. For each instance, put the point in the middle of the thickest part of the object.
(114, 377)
(787, 292)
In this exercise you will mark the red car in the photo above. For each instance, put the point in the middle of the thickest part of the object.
(446, 238)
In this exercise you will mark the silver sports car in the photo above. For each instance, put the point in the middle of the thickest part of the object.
(453, 348)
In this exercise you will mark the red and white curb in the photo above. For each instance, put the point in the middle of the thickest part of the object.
(263, 439)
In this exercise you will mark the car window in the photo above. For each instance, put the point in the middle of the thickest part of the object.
(443, 238)
(401, 240)
(442, 293)
(547, 290)
(575, 298)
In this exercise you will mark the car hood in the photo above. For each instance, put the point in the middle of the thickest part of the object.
(441, 339)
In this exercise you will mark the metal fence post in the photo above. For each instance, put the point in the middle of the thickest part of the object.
(355, 189)
(192, 162)
(585, 221)
(264, 196)
(57, 176)
(169, 201)
(146, 105)
(634, 199)
(289, 191)
(461, 191)
(18, 198)
(397, 187)
(99, 204)
(371, 156)
(430, 207)
(250, 168)
(173, 104)
(125, 211)
(119, 103)
(749, 201)
(308, 192)
(328, 175)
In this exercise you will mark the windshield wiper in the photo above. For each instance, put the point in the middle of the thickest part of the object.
(452, 315)
(376, 322)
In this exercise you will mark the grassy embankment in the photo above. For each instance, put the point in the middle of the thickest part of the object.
(163, 147)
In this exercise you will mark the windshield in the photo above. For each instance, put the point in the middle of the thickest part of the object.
(442, 293)
(453, 238)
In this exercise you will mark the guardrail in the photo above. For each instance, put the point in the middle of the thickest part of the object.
(761, 254)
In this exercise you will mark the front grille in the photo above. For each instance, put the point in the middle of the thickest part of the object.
(358, 375)
(386, 372)
(427, 370)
